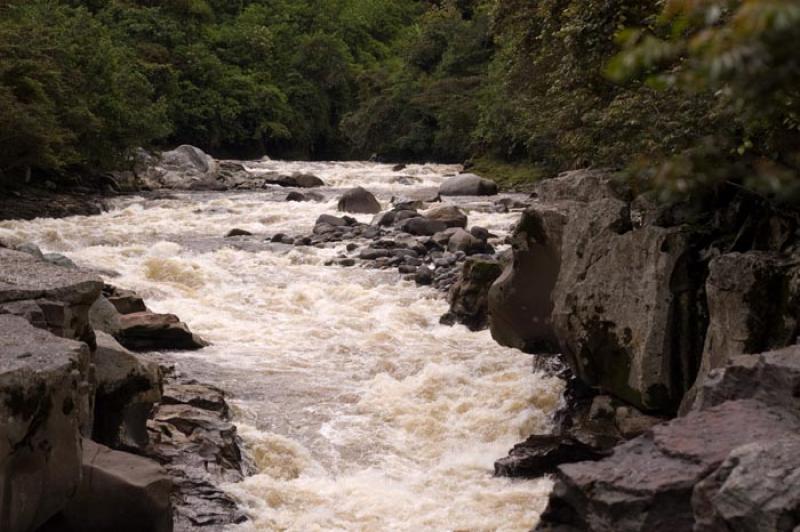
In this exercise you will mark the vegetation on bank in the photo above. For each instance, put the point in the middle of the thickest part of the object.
(687, 92)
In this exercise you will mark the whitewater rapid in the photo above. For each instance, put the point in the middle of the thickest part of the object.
(361, 412)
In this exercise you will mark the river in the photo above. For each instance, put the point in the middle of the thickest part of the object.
(361, 412)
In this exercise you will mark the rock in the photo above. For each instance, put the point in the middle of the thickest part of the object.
(60, 260)
(583, 186)
(31, 249)
(468, 298)
(461, 240)
(127, 388)
(468, 185)
(450, 215)
(44, 403)
(296, 196)
(741, 319)
(756, 488)
(647, 483)
(184, 168)
(421, 226)
(424, 276)
(328, 219)
(372, 254)
(359, 200)
(104, 316)
(772, 378)
(398, 167)
(540, 455)
(481, 233)
(191, 436)
(125, 301)
(147, 331)
(297, 180)
(119, 492)
(443, 237)
(238, 232)
(51, 297)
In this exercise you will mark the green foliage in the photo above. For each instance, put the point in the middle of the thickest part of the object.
(744, 52)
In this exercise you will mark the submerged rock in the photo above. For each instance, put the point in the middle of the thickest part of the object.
(359, 200)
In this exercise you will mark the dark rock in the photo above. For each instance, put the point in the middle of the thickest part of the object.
(468, 185)
(423, 276)
(60, 260)
(297, 180)
(147, 331)
(119, 492)
(541, 455)
(238, 232)
(422, 226)
(480, 233)
(296, 196)
(648, 483)
(469, 296)
(372, 254)
(44, 404)
(331, 220)
(398, 167)
(125, 301)
(127, 389)
(450, 215)
(462, 241)
(359, 200)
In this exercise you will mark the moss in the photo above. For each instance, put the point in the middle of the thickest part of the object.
(509, 176)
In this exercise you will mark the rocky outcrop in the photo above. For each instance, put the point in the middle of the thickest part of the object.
(468, 185)
(192, 437)
(119, 492)
(127, 388)
(44, 403)
(48, 296)
(184, 168)
(359, 200)
(726, 465)
(468, 298)
(147, 331)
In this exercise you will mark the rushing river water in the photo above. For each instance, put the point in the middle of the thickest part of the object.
(360, 410)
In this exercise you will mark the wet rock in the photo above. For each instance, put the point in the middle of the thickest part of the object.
(756, 488)
(443, 237)
(31, 249)
(468, 185)
(103, 316)
(51, 297)
(192, 437)
(372, 254)
(422, 226)
(398, 167)
(328, 219)
(120, 492)
(44, 403)
(238, 232)
(462, 241)
(647, 483)
(297, 180)
(60, 260)
(450, 215)
(541, 455)
(124, 301)
(296, 196)
(469, 296)
(185, 168)
(359, 200)
(423, 276)
(127, 387)
(147, 331)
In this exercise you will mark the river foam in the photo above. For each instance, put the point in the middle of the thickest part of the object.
(361, 412)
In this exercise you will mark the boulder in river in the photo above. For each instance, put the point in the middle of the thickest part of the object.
(44, 402)
(451, 215)
(360, 201)
(298, 180)
(468, 185)
(468, 298)
(119, 492)
(238, 232)
(421, 226)
(184, 168)
(148, 331)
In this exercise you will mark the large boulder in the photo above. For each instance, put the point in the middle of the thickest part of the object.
(148, 331)
(467, 185)
(44, 401)
(450, 215)
(468, 298)
(421, 226)
(297, 180)
(649, 483)
(360, 201)
(120, 492)
(127, 388)
(184, 168)
(49, 296)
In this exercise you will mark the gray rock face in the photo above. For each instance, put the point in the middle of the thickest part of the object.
(422, 226)
(465, 242)
(648, 483)
(757, 488)
(184, 168)
(540, 455)
(44, 402)
(147, 331)
(49, 296)
(360, 201)
(468, 185)
(127, 388)
(297, 180)
(450, 215)
(469, 296)
(120, 492)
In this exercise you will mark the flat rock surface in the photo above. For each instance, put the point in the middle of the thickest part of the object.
(22, 276)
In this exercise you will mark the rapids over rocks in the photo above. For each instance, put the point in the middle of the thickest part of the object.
(360, 410)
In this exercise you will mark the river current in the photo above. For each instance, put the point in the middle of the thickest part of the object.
(361, 411)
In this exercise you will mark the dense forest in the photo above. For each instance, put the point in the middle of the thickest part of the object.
(683, 93)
